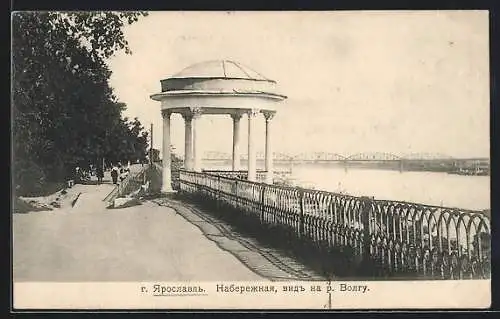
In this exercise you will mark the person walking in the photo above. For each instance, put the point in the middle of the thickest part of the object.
(99, 174)
(123, 174)
(78, 175)
(114, 174)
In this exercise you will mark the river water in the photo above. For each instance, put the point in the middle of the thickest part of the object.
(432, 188)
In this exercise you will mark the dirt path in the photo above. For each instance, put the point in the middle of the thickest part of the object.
(141, 243)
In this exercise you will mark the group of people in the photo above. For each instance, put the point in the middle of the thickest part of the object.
(82, 175)
(118, 173)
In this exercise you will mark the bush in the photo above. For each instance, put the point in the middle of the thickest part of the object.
(28, 178)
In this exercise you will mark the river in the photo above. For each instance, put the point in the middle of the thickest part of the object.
(432, 188)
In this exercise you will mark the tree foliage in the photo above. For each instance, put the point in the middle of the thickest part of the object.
(64, 111)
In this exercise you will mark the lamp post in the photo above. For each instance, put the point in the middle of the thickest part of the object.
(151, 147)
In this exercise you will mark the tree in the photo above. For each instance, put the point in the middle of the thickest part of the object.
(64, 111)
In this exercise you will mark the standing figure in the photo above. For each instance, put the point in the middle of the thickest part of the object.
(122, 174)
(99, 173)
(78, 175)
(114, 174)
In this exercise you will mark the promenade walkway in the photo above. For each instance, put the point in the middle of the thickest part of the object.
(155, 241)
(92, 243)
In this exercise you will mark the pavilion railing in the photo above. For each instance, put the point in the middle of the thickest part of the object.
(396, 238)
(131, 182)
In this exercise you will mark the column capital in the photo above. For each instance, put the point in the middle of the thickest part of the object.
(187, 116)
(253, 112)
(268, 115)
(196, 112)
(166, 113)
(236, 115)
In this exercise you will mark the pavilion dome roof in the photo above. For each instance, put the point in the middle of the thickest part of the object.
(220, 69)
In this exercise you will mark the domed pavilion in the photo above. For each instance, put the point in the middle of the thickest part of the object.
(219, 87)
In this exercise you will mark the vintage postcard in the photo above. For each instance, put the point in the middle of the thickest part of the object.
(251, 160)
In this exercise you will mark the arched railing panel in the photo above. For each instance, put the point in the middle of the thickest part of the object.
(398, 237)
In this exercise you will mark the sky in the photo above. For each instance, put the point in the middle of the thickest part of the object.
(397, 82)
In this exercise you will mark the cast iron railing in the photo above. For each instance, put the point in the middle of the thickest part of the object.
(396, 238)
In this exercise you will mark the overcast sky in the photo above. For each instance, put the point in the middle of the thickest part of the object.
(399, 82)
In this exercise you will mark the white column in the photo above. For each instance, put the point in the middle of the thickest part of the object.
(269, 148)
(188, 143)
(236, 141)
(196, 112)
(166, 174)
(252, 156)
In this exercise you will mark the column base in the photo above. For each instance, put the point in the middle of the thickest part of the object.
(168, 191)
